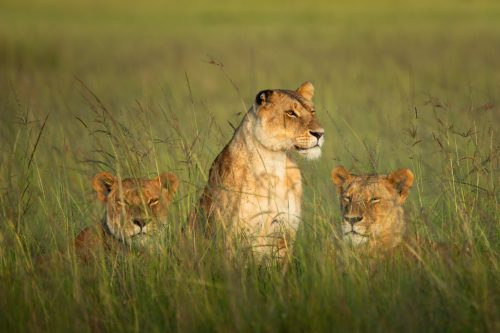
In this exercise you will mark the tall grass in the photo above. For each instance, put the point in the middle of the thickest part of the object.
(139, 89)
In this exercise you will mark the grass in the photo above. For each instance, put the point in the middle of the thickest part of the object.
(139, 88)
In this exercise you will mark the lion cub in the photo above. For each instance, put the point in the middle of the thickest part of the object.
(134, 210)
(254, 190)
(372, 206)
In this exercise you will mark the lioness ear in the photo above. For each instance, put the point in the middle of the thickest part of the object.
(170, 182)
(263, 97)
(306, 90)
(339, 176)
(402, 180)
(102, 184)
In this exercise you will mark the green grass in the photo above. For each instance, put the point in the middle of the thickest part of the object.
(397, 85)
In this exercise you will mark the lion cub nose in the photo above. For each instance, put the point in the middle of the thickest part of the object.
(353, 219)
(139, 222)
(317, 134)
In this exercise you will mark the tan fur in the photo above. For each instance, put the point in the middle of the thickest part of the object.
(372, 206)
(254, 190)
(135, 208)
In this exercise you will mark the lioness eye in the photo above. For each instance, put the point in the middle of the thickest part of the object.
(347, 199)
(291, 113)
(374, 200)
(153, 202)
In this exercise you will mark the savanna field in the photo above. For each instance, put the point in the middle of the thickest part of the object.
(140, 87)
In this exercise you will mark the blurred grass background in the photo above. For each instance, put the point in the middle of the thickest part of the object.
(140, 87)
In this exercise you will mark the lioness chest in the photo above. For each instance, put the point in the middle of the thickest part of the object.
(269, 204)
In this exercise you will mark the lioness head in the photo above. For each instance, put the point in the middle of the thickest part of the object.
(134, 207)
(371, 206)
(286, 120)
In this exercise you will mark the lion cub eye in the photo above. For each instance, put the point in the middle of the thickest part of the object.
(346, 199)
(374, 200)
(153, 202)
(291, 114)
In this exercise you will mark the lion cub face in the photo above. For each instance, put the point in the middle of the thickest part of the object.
(372, 205)
(134, 207)
(286, 120)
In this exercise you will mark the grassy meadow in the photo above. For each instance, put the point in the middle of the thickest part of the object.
(140, 87)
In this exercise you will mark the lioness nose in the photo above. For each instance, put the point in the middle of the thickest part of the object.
(317, 134)
(139, 222)
(353, 219)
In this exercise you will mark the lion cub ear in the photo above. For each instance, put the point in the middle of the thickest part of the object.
(306, 90)
(102, 184)
(339, 176)
(401, 180)
(170, 182)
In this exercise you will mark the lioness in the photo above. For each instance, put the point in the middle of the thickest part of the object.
(254, 190)
(372, 206)
(134, 210)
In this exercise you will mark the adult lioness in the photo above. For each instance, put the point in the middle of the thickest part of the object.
(134, 210)
(254, 189)
(372, 206)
